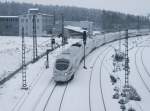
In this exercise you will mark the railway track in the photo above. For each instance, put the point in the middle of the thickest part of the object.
(47, 101)
(28, 63)
(51, 94)
(144, 66)
(100, 82)
(25, 95)
(139, 73)
(60, 106)
(92, 68)
(91, 75)
(89, 91)
(41, 95)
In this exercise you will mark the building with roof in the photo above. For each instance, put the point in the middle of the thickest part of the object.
(88, 25)
(74, 32)
(44, 23)
(9, 25)
(74, 29)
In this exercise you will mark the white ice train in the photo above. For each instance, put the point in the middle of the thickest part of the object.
(67, 63)
(69, 60)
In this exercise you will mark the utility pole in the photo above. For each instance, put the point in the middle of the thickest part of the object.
(24, 82)
(47, 52)
(52, 43)
(84, 42)
(34, 39)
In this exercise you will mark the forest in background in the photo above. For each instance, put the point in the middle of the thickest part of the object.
(105, 20)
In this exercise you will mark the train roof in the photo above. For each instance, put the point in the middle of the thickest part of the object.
(73, 50)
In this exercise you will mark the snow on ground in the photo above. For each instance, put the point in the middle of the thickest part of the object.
(11, 54)
(12, 97)
(90, 90)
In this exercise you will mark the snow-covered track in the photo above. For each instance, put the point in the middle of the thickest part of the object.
(60, 106)
(44, 91)
(51, 94)
(100, 81)
(28, 63)
(139, 73)
(144, 66)
(91, 74)
(25, 95)
(48, 99)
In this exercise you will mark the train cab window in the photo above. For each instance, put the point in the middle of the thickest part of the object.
(77, 44)
(62, 64)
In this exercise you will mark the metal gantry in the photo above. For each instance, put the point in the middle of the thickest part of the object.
(24, 81)
(125, 91)
(126, 62)
(34, 39)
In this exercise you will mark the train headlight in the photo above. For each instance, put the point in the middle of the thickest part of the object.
(66, 74)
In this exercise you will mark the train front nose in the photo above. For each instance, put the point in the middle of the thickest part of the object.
(61, 70)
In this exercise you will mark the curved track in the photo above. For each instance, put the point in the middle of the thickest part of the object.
(144, 66)
(139, 73)
(91, 75)
(90, 107)
(101, 82)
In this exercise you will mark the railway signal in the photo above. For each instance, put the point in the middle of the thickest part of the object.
(47, 58)
(24, 82)
(52, 43)
(84, 42)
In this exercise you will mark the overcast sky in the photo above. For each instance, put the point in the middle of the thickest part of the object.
(141, 7)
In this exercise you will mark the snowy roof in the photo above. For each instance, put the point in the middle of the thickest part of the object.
(44, 14)
(77, 29)
(37, 14)
(33, 9)
(8, 16)
(96, 32)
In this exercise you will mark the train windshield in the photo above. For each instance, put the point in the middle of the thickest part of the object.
(62, 64)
